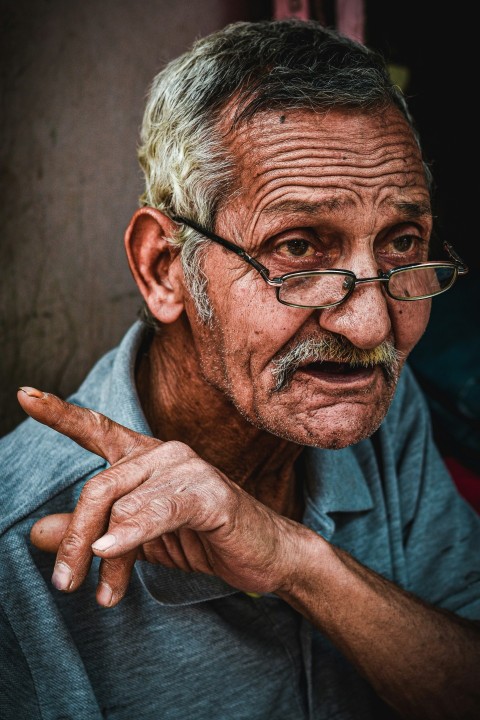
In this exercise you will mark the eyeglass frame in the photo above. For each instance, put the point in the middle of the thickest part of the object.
(456, 262)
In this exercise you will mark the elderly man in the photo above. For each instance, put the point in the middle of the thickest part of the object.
(253, 491)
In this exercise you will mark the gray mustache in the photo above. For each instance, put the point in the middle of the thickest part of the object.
(334, 348)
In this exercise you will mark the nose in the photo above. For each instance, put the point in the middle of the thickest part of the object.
(364, 318)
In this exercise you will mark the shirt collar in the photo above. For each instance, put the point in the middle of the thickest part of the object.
(119, 398)
(334, 483)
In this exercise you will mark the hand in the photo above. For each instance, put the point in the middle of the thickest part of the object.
(159, 502)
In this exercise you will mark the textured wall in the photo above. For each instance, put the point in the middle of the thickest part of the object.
(74, 79)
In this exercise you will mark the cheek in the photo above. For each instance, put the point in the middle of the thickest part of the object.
(253, 324)
(409, 320)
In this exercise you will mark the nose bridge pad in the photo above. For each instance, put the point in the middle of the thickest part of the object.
(348, 283)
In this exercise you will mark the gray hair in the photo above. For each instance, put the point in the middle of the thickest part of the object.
(268, 65)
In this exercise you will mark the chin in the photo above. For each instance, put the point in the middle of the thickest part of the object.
(331, 438)
(331, 428)
(341, 437)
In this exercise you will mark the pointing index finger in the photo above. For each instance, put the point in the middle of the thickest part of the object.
(90, 429)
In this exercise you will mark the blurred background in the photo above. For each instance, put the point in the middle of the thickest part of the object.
(74, 77)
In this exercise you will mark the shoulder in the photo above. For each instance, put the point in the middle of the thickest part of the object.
(37, 463)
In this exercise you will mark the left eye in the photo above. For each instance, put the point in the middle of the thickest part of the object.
(296, 248)
(404, 244)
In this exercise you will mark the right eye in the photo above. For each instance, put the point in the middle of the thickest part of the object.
(296, 247)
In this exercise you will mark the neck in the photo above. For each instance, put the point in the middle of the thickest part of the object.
(181, 405)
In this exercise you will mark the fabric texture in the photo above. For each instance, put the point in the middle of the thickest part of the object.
(190, 646)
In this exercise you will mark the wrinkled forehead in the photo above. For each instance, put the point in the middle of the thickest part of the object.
(348, 134)
(351, 154)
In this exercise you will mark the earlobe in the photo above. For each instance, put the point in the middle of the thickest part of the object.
(155, 263)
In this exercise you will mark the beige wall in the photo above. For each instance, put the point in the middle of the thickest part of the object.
(75, 74)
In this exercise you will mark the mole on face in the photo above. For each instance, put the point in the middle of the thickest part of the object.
(282, 118)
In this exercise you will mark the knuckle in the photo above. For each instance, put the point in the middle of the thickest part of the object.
(176, 448)
(136, 528)
(198, 467)
(217, 501)
(163, 507)
(116, 573)
(124, 509)
(59, 413)
(91, 424)
(102, 422)
(99, 488)
(71, 545)
(223, 496)
(114, 567)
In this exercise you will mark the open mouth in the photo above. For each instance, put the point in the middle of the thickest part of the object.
(339, 369)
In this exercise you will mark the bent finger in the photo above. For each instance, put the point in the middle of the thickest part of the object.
(90, 519)
(162, 515)
(114, 578)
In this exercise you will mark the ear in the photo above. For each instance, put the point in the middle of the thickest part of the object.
(155, 263)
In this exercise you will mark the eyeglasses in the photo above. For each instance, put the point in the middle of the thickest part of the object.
(326, 288)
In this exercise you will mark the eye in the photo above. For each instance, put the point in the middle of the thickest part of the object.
(404, 244)
(402, 250)
(296, 248)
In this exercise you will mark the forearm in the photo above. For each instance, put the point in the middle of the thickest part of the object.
(421, 660)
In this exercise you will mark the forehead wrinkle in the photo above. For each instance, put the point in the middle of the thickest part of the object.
(342, 151)
(338, 194)
(338, 161)
(276, 160)
(363, 174)
(347, 148)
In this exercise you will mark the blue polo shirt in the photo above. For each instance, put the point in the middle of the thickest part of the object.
(188, 646)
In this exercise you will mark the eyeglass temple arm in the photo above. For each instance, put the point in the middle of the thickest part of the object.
(225, 243)
(462, 268)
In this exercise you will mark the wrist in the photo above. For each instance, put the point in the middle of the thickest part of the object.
(308, 557)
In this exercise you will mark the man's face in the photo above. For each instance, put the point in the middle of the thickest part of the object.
(338, 190)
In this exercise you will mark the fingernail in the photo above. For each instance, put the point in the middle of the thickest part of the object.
(104, 594)
(62, 576)
(31, 392)
(104, 542)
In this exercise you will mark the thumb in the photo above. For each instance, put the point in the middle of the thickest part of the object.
(47, 533)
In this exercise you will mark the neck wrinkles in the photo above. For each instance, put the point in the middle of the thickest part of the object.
(180, 405)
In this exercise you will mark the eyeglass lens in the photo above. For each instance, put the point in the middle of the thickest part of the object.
(313, 290)
(421, 281)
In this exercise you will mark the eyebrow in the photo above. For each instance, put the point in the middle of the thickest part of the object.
(307, 208)
(411, 210)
